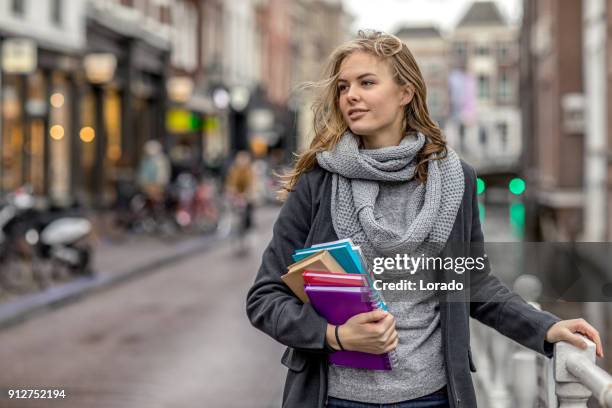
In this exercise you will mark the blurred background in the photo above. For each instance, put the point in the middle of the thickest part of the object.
(141, 136)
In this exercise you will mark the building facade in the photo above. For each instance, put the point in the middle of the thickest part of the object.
(41, 45)
(485, 126)
(566, 85)
(319, 26)
(551, 72)
(431, 51)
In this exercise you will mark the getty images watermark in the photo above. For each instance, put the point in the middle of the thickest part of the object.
(413, 264)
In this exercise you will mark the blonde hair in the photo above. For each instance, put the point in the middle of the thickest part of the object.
(329, 124)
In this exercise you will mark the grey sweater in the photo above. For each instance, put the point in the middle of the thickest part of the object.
(419, 368)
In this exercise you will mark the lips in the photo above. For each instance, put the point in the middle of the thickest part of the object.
(354, 114)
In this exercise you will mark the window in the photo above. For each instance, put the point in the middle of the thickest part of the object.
(56, 12)
(482, 50)
(503, 51)
(482, 136)
(502, 129)
(460, 49)
(503, 88)
(18, 7)
(461, 136)
(483, 87)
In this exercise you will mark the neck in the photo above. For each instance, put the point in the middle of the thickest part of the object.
(382, 140)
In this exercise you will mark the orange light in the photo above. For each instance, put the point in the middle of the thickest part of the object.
(56, 132)
(87, 134)
(57, 100)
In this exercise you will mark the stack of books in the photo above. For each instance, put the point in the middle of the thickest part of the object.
(334, 278)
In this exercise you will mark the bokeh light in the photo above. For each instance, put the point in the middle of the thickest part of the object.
(87, 134)
(57, 100)
(57, 132)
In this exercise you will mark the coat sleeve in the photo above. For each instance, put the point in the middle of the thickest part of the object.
(270, 305)
(495, 305)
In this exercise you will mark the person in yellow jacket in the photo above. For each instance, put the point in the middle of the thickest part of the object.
(239, 188)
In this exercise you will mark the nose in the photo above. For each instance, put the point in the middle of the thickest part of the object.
(352, 94)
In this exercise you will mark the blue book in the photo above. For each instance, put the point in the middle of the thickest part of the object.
(342, 252)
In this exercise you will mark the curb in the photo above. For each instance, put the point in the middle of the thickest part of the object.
(22, 309)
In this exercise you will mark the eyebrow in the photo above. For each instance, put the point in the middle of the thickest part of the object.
(359, 77)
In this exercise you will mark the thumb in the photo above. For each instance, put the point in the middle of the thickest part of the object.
(373, 316)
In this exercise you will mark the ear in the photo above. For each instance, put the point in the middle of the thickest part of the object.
(407, 95)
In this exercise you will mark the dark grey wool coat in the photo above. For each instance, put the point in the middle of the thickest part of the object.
(304, 220)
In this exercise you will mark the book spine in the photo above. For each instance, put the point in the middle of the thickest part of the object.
(377, 297)
(390, 359)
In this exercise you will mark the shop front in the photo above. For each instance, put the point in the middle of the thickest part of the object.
(36, 109)
(121, 109)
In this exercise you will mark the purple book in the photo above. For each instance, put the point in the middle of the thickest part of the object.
(338, 304)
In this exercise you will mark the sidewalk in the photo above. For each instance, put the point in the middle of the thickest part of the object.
(115, 261)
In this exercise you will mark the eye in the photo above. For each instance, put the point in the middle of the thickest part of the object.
(367, 83)
(342, 87)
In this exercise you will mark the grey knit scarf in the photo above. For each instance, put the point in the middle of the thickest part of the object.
(355, 186)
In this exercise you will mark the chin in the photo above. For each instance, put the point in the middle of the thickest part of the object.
(360, 130)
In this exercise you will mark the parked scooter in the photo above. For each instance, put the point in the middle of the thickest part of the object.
(16, 271)
(42, 244)
(65, 241)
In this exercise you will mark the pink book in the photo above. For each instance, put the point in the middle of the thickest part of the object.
(334, 279)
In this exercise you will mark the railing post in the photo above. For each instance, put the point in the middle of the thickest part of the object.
(525, 381)
(547, 398)
(499, 396)
(570, 391)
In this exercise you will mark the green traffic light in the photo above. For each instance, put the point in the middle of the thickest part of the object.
(517, 219)
(517, 186)
(480, 186)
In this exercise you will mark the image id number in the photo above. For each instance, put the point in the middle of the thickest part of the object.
(36, 394)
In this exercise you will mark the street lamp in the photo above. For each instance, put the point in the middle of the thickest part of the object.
(221, 98)
(239, 98)
(100, 67)
(180, 88)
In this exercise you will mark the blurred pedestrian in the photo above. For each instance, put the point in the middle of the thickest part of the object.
(379, 172)
(239, 190)
(154, 173)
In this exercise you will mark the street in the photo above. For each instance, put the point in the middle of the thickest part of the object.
(175, 338)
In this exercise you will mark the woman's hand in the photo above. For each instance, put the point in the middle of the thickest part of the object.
(565, 329)
(372, 332)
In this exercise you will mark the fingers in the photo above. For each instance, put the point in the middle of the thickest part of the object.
(565, 331)
(387, 334)
(373, 316)
(392, 345)
(387, 322)
(388, 331)
(573, 339)
(583, 327)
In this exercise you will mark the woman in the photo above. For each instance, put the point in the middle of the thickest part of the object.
(379, 172)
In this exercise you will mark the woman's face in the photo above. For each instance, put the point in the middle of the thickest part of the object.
(370, 100)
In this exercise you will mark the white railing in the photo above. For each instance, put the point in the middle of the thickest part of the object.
(509, 375)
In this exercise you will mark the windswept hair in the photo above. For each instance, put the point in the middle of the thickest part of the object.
(329, 124)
